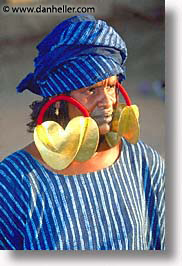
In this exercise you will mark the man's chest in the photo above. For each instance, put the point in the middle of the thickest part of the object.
(100, 211)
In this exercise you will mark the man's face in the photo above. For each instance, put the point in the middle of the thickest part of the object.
(99, 100)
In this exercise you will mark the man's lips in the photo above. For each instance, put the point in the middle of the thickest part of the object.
(102, 119)
(102, 116)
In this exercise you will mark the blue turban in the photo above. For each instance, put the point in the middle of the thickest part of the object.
(79, 52)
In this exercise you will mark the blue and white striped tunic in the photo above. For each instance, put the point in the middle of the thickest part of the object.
(120, 207)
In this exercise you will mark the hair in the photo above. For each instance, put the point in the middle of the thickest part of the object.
(62, 117)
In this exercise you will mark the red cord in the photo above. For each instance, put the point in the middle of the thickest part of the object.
(59, 98)
(124, 93)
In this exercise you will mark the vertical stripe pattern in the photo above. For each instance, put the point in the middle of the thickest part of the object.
(121, 207)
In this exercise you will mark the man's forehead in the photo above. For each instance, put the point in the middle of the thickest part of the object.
(109, 81)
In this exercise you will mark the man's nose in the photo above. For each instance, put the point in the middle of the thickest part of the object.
(104, 99)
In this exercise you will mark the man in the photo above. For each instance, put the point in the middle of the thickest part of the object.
(112, 201)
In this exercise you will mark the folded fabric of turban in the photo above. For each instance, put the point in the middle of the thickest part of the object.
(79, 52)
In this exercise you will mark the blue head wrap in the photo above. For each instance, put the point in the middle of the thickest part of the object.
(79, 52)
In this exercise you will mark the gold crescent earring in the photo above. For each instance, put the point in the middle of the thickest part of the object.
(58, 147)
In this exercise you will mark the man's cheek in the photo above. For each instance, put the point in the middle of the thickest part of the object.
(114, 99)
(91, 104)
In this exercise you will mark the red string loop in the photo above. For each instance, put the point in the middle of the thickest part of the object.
(124, 93)
(61, 98)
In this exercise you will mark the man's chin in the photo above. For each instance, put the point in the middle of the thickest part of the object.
(104, 128)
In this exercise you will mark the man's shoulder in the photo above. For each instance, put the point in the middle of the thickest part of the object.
(143, 152)
(14, 183)
(14, 163)
(11, 156)
(140, 147)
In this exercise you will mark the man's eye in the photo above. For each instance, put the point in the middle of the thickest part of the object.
(111, 88)
(91, 91)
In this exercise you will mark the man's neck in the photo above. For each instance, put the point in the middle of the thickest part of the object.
(102, 146)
